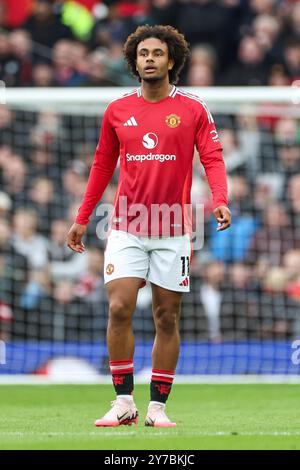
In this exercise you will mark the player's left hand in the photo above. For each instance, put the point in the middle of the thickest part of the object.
(223, 217)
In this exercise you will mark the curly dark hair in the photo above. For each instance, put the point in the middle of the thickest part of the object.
(177, 46)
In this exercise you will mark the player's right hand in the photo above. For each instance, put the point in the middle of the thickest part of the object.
(74, 238)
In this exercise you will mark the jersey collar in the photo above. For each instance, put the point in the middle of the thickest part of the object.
(171, 94)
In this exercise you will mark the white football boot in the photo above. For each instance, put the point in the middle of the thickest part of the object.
(123, 411)
(157, 417)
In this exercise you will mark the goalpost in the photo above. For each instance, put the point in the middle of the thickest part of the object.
(241, 320)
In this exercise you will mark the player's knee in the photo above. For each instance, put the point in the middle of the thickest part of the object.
(119, 312)
(166, 320)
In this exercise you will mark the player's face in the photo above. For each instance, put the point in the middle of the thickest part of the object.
(153, 61)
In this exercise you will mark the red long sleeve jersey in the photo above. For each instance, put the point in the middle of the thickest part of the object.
(155, 143)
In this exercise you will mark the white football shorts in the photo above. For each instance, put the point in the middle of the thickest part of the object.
(162, 261)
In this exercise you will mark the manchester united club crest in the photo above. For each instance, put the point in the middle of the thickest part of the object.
(173, 120)
(110, 268)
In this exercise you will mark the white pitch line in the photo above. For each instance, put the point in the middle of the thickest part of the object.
(136, 433)
(228, 433)
(64, 434)
(144, 379)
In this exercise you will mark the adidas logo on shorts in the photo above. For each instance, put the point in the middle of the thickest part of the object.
(185, 282)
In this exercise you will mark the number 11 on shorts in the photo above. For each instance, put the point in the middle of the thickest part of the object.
(185, 260)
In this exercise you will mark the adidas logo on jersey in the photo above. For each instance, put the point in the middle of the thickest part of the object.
(131, 122)
(185, 282)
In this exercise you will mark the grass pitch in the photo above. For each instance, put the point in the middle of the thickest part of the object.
(207, 416)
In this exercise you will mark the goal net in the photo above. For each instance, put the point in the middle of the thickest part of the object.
(242, 316)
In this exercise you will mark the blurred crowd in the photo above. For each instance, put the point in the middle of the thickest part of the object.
(245, 281)
(79, 42)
